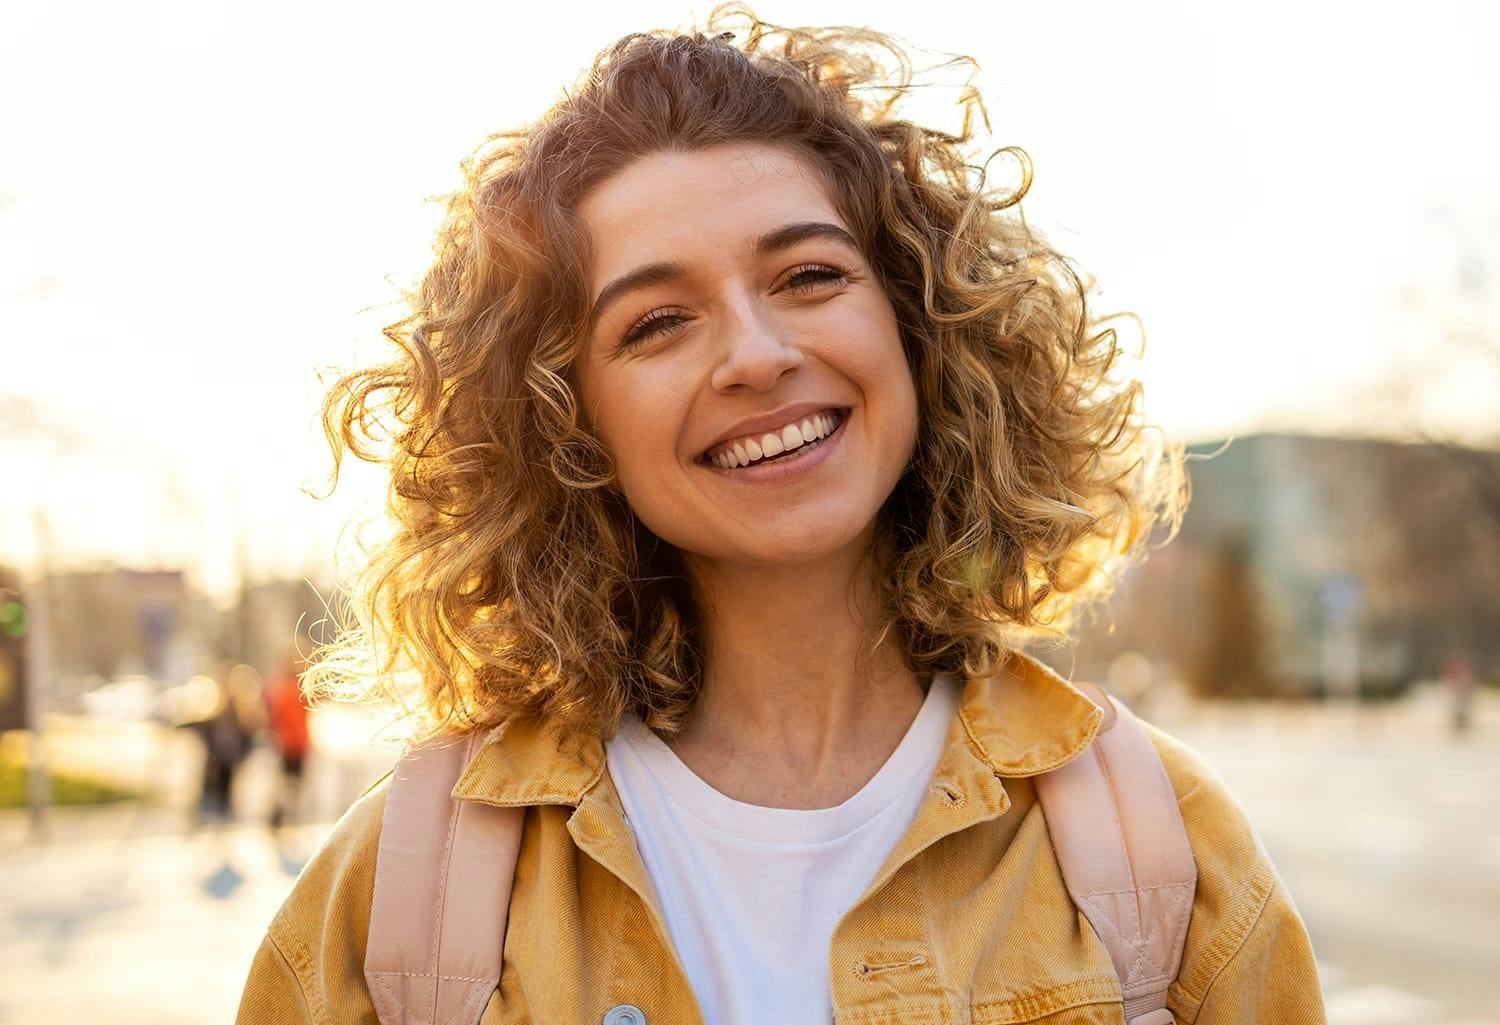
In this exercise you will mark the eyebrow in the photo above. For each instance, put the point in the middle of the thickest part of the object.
(772, 241)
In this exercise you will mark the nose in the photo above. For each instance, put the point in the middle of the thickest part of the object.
(756, 350)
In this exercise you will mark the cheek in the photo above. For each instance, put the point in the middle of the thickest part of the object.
(878, 362)
(638, 428)
(901, 415)
(647, 473)
(868, 338)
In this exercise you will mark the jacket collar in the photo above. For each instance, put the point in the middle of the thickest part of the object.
(1022, 720)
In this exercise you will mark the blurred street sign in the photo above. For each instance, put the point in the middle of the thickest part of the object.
(1340, 596)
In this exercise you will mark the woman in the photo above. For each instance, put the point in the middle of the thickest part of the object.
(741, 437)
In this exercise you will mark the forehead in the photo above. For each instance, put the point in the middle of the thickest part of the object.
(670, 205)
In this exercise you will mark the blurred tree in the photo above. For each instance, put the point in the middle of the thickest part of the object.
(12, 653)
(1230, 660)
(1446, 393)
(1451, 326)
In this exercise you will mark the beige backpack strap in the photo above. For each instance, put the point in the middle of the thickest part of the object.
(1124, 854)
(443, 875)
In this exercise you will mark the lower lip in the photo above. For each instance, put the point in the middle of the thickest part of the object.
(808, 459)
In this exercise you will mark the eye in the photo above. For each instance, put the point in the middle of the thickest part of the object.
(809, 276)
(805, 278)
(655, 323)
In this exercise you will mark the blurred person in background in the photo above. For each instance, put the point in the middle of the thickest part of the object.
(740, 439)
(1458, 679)
(228, 736)
(287, 714)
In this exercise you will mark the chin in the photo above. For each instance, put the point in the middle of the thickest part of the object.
(789, 549)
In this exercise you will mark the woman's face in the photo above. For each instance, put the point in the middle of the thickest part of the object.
(734, 320)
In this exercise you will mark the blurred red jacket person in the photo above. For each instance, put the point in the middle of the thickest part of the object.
(288, 718)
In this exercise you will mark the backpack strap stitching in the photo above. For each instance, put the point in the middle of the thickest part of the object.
(1145, 946)
(1129, 917)
(442, 892)
(419, 961)
(1178, 933)
(1142, 948)
(1185, 896)
(1107, 919)
(386, 1000)
(1145, 952)
(1114, 809)
(1142, 889)
(1139, 946)
(430, 975)
(465, 1010)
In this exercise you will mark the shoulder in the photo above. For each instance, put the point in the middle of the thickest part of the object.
(1224, 840)
(315, 945)
(334, 887)
(1239, 901)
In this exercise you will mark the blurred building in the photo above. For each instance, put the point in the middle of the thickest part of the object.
(152, 624)
(1305, 565)
(270, 615)
(1317, 565)
(112, 622)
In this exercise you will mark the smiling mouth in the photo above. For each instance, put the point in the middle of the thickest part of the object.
(756, 456)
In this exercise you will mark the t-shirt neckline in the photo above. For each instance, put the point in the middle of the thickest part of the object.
(917, 752)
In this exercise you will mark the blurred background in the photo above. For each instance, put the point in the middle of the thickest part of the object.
(204, 205)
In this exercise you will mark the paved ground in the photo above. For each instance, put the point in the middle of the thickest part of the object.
(133, 914)
(155, 929)
(1386, 830)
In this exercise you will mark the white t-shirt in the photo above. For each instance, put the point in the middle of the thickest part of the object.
(752, 894)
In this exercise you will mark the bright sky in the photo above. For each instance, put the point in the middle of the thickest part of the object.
(199, 197)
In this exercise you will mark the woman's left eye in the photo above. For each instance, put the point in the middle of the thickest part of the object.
(811, 276)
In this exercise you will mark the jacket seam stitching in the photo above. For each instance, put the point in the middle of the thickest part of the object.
(931, 940)
(527, 792)
(1080, 993)
(974, 743)
(617, 943)
(1019, 767)
(299, 960)
(1259, 912)
(1223, 949)
(1074, 994)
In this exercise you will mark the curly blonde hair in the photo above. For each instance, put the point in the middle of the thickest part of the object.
(518, 582)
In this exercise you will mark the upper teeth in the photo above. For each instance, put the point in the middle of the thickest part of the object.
(744, 451)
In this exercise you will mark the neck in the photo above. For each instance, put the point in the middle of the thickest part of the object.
(789, 715)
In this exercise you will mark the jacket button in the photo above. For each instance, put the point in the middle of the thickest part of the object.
(624, 1014)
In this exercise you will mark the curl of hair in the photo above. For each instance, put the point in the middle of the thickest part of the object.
(518, 582)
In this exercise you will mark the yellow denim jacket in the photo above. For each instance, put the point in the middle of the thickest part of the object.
(968, 920)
